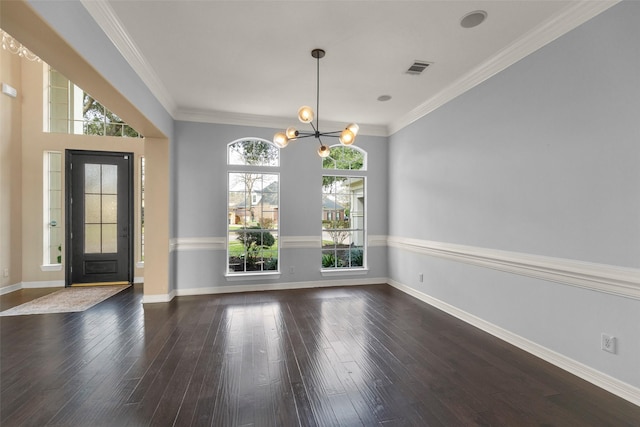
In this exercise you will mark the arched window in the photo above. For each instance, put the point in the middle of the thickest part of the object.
(253, 206)
(343, 208)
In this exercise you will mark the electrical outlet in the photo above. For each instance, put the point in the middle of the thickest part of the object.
(291, 270)
(5, 272)
(608, 343)
(421, 277)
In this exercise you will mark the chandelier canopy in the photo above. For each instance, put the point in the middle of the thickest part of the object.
(347, 136)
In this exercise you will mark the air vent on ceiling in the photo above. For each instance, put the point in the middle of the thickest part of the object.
(418, 67)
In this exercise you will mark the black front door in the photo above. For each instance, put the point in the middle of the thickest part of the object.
(99, 215)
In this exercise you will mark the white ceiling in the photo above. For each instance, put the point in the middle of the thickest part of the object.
(249, 61)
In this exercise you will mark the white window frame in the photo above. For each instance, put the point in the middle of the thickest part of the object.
(350, 173)
(261, 170)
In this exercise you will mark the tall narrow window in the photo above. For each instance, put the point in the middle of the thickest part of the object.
(253, 207)
(343, 209)
(142, 208)
(53, 235)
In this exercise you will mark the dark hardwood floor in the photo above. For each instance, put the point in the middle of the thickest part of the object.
(366, 355)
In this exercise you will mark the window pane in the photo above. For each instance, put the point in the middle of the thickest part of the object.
(343, 222)
(344, 158)
(252, 222)
(254, 153)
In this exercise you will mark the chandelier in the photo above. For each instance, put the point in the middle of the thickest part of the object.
(15, 47)
(305, 114)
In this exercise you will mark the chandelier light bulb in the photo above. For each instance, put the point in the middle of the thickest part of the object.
(347, 137)
(291, 132)
(305, 114)
(323, 151)
(354, 128)
(281, 140)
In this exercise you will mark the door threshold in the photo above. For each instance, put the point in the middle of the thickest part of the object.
(76, 285)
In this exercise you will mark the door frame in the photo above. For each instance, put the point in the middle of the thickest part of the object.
(69, 153)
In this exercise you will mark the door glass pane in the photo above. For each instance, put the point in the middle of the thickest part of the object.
(109, 238)
(92, 238)
(109, 179)
(92, 178)
(92, 208)
(109, 209)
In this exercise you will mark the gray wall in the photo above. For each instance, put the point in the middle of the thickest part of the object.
(200, 156)
(542, 159)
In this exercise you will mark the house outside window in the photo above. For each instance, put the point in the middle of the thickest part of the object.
(253, 207)
(343, 209)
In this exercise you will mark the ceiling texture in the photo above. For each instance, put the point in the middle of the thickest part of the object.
(249, 62)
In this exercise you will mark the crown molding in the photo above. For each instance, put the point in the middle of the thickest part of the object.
(575, 14)
(107, 20)
(242, 119)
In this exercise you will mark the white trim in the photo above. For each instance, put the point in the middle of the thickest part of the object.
(10, 288)
(600, 379)
(377, 240)
(300, 242)
(220, 243)
(140, 264)
(575, 14)
(138, 279)
(604, 278)
(152, 299)
(108, 21)
(198, 244)
(43, 284)
(253, 276)
(279, 286)
(51, 267)
(242, 119)
(344, 272)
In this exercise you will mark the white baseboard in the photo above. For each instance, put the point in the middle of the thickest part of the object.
(10, 288)
(152, 299)
(138, 279)
(43, 284)
(279, 286)
(600, 379)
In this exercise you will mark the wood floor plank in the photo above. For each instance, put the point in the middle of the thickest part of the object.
(365, 355)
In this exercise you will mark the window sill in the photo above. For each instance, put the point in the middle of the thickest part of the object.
(51, 267)
(344, 272)
(252, 276)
